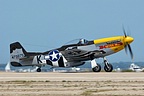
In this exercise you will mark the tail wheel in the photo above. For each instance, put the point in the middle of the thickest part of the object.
(97, 68)
(38, 69)
(108, 68)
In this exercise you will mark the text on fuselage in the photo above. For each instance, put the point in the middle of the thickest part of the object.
(111, 44)
(18, 56)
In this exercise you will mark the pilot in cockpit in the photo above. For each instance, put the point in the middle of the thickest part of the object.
(82, 41)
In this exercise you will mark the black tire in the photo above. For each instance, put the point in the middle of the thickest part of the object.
(39, 70)
(109, 68)
(96, 68)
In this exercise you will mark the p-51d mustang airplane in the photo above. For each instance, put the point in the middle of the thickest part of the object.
(72, 55)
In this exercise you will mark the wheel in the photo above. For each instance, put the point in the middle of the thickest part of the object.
(39, 70)
(109, 68)
(97, 68)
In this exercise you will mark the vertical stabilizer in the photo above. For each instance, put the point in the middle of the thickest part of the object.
(15, 46)
(17, 52)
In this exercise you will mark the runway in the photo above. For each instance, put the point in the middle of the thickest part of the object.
(54, 76)
(72, 84)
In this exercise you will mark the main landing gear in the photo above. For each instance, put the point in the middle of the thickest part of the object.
(97, 68)
(108, 67)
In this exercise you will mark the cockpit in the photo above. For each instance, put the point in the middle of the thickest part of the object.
(77, 41)
(83, 41)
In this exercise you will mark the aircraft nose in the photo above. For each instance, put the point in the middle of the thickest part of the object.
(129, 39)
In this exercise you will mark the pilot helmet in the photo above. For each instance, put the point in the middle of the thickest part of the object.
(82, 41)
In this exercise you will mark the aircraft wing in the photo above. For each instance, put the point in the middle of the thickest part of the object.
(77, 55)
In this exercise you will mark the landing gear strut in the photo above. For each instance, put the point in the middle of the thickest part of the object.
(95, 67)
(108, 67)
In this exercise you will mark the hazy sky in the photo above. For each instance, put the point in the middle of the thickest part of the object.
(41, 25)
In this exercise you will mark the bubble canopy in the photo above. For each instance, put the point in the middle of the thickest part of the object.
(77, 41)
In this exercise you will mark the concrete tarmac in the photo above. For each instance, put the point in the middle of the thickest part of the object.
(88, 76)
(72, 84)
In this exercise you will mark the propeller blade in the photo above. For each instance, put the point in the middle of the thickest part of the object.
(124, 32)
(127, 46)
(131, 53)
(126, 49)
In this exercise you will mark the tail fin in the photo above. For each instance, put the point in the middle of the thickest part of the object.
(17, 52)
(15, 46)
